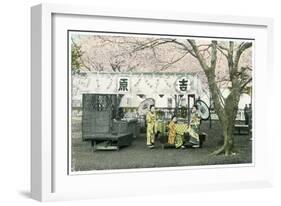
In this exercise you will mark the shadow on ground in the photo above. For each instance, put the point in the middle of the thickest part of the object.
(139, 156)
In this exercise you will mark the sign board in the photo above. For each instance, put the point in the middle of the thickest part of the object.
(123, 85)
(183, 84)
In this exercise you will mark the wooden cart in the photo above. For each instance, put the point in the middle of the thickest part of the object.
(99, 126)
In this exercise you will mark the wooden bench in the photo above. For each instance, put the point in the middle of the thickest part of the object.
(241, 129)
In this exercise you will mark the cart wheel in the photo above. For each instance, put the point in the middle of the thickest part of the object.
(203, 109)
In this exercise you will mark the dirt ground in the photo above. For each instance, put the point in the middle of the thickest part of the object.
(139, 156)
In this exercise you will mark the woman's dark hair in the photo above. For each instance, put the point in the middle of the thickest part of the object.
(173, 117)
(151, 106)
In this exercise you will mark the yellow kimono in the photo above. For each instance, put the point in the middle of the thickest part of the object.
(180, 130)
(172, 132)
(151, 128)
(194, 128)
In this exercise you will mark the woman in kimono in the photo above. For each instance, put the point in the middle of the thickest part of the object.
(172, 130)
(194, 126)
(151, 127)
(176, 133)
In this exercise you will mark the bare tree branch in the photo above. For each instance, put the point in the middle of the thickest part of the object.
(222, 50)
(245, 84)
(198, 55)
(153, 43)
(213, 55)
(174, 61)
(241, 48)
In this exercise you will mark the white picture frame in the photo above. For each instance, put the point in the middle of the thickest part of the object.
(49, 178)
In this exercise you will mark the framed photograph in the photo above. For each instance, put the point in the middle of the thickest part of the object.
(135, 102)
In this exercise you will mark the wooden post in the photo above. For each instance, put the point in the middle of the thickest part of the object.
(94, 145)
(188, 105)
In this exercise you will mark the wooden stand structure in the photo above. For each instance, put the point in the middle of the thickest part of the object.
(98, 125)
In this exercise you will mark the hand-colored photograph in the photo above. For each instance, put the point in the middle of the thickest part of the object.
(156, 101)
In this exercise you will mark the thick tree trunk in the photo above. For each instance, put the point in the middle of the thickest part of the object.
(227, 123)
(228, 145)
